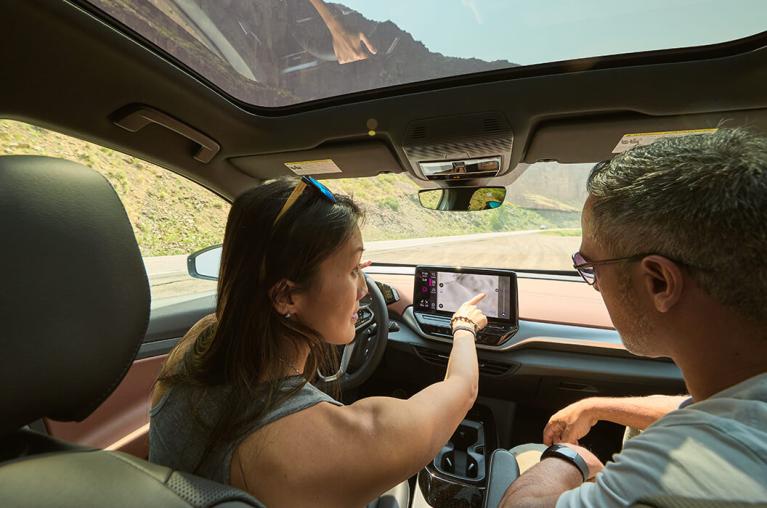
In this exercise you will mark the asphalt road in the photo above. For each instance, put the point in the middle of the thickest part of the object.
(520, 249)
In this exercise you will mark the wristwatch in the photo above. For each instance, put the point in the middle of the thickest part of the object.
(566, 453)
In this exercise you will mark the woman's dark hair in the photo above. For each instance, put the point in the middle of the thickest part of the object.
(240, 346)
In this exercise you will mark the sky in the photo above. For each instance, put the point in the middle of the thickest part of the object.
(536, 31)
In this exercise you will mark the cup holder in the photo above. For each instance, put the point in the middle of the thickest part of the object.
(459, 463)
(463, 456)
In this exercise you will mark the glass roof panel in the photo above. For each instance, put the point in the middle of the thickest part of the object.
(275, 53)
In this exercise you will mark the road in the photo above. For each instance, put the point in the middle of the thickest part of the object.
(517, 249)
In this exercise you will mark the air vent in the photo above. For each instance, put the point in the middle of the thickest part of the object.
(432, 356)
(486, 368)
(493, 368)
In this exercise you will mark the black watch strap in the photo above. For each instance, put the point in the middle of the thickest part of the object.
(566, 453)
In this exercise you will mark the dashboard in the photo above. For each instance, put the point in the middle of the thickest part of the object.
(560, 343)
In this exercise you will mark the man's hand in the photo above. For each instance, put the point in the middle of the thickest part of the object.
(575, 421)
(570, 424)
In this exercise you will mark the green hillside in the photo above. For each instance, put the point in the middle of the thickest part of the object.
(393, 211)
(172, 215)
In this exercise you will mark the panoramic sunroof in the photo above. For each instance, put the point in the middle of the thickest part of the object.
(275, 53)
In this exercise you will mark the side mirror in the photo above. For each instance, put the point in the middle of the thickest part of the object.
(471, 199)
(205, 263)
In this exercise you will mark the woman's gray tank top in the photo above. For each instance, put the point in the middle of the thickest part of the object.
(177, 438)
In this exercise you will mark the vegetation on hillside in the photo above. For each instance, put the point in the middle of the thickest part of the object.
(172, 215)
(394, 212)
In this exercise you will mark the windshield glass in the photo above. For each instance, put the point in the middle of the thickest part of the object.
(538, 226)
(283, 52)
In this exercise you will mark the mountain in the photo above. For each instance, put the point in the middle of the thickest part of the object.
(279, 53)
(551, 186)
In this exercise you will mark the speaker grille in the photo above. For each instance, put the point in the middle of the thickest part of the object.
(458, 137)
(479, 147)
(418, 132)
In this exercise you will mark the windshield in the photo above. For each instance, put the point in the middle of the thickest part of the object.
(538, 227)
(283, 52)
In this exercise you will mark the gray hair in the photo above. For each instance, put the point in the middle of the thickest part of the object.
(700, 200)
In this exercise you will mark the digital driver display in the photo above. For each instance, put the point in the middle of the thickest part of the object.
(442, 291)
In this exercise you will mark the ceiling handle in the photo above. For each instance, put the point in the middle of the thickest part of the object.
(134, 118)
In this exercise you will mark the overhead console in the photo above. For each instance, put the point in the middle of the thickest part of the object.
(459, 147)
(439, 291)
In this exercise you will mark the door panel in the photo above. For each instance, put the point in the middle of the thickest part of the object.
(122, 421)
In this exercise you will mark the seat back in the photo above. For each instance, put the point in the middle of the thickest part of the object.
(74, 308)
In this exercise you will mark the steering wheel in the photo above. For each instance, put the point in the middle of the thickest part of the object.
(361, 357)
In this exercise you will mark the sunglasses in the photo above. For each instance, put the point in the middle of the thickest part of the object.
(306, 181)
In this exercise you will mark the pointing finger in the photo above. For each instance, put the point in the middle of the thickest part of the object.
(478, 298)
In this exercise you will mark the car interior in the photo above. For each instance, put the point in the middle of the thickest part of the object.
(85, 336)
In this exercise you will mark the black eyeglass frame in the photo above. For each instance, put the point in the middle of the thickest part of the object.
(591, 278)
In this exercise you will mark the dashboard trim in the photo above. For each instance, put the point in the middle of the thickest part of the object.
(408, 317)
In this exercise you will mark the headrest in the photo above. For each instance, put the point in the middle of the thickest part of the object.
(74, 296)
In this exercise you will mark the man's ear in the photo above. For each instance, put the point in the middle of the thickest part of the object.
(663, 281)
(281, 295)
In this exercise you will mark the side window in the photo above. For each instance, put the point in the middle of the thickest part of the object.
(171, 216)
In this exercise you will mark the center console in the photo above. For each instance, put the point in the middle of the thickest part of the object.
(439, 291)
(457, 475)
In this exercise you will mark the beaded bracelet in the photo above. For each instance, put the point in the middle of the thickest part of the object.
(466, 328)
(465, 320)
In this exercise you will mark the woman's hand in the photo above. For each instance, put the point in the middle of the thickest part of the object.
(469, 312)
(348, 46)
(570, 424)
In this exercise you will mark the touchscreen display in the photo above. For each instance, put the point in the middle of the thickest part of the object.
(446, 291)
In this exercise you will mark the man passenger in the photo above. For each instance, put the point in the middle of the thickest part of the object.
(675, 240)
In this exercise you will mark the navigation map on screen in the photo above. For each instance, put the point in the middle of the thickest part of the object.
(453, 289)
(446, 291)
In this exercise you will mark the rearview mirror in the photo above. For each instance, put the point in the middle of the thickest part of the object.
(205, 263)
(469, 199)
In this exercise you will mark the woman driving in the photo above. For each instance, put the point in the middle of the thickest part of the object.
(235, 403)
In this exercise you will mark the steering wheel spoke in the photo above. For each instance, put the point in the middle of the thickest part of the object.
(365, 316)
(346, 357)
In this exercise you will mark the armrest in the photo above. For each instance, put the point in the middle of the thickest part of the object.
(503, 470)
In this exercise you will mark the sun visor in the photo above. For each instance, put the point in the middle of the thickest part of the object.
(594, 139)
(331, 160)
